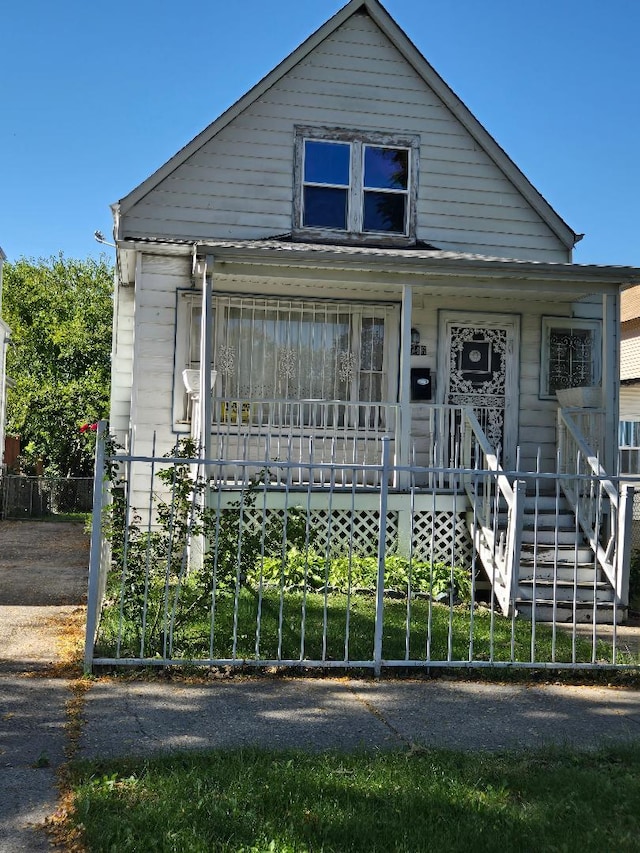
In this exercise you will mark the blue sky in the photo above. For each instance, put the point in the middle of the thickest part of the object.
(95, 96)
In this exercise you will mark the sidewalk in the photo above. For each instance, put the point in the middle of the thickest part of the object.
(145, 717)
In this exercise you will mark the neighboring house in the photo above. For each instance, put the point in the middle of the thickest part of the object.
(630, 380)
(371, 263)
(630, 355)
(4, 343)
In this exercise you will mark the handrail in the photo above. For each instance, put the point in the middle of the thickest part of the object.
(587, 453)
(491, 457)
(501, 564)
(614, 559)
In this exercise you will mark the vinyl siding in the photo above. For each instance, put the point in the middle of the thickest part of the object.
(630, 351)
(152, 397)
(240, 183)
(122, 364)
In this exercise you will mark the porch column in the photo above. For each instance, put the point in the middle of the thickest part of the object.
(205, 358)
(403, 452)
(610, 379)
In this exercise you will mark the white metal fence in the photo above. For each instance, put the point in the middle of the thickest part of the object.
(331, 573)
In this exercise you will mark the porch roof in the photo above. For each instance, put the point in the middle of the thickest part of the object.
(421, 260)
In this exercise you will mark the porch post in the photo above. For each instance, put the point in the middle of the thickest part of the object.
(403, 452)
(205, 358)
(610, 380)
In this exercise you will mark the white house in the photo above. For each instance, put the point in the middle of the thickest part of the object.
(4, 343)
(371, 262)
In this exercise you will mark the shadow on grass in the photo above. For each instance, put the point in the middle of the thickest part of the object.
(252, 800)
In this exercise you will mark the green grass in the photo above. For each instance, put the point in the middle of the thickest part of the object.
(448, 634)
(249, 801)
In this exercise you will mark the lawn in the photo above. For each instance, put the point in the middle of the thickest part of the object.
(249, 801)
(301, 627)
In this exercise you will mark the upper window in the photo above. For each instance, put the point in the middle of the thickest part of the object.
(570, 354)
(348, 185)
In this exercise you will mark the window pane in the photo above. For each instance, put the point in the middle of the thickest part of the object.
(325, 208)
(326, 162)
(570, 358)
(385, 212)
(386, 168)
(371, 343)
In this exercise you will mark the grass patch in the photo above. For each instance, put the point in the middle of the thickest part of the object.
(436, 632)
(249, 801)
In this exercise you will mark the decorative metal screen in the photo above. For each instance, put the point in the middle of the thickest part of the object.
(477, 375)
(570, 358)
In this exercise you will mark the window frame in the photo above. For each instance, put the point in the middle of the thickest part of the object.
(358, 141)
(548, 324)
(188, 307)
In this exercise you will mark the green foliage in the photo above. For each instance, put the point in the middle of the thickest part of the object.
(59, 311)
(312, 570)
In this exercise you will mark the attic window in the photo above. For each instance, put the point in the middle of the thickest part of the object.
(350, 185)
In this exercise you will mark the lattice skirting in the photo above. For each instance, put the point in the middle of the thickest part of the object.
(443, 537)
(440, 536)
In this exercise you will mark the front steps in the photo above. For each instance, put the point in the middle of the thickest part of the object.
(558, 578)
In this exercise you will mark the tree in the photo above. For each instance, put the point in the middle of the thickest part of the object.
(59, 311)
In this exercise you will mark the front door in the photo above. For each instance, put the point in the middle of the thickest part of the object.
(478, 366)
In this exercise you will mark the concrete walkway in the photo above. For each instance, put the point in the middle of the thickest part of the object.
(124, 718)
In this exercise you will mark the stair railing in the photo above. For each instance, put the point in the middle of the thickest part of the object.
(492, 496)
(595, 498)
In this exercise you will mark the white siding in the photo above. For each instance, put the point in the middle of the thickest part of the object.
(240, 184)
(152, 398)
(630, 403)
(122, 363)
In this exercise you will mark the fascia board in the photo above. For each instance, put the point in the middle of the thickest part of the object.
(620, 277)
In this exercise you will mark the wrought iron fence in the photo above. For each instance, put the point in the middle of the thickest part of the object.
(262, 573)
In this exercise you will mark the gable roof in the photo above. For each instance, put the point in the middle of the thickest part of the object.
(418, 62)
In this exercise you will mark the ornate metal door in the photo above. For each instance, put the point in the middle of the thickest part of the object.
(479, 368)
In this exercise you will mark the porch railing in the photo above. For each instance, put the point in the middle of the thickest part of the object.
(598, 504)
(337, 432)
(498, 509)
(307, 432)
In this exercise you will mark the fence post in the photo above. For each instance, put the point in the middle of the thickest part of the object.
(623, 550)
(382, 548)
(95, 553)
(514, 543)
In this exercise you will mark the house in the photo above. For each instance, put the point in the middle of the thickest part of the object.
(629, 433)
(5, 334)
(356, 257)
